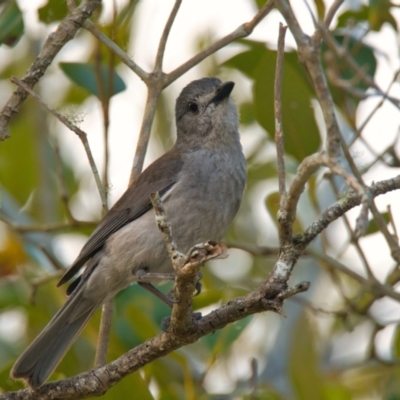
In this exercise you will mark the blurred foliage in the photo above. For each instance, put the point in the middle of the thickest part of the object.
(258, 63)
(104, 81)
(296, 361)
(11, 23)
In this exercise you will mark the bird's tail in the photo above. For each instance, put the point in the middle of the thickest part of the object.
(40, 359)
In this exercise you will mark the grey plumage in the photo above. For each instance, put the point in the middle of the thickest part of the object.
(201, 182)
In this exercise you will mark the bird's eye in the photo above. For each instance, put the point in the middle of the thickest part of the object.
(193, 107)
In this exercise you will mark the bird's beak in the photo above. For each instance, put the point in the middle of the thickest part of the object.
(224, 92)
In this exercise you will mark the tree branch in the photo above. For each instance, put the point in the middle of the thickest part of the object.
(65, 31)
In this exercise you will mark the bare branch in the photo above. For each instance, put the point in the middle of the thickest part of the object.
(65, 31)
(164, 37)
(81, 134)
(175, 255)
(331, 12)
(242, 31)
(371, 285)
(88, 25)
(279, 137)
(104, 333)
(144, 135)
(347, 202)
(46, 227)
(287, 214)
(343, 53)
(309, 55)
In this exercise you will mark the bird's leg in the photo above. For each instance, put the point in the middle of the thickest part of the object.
(152, 289)
(145, 278)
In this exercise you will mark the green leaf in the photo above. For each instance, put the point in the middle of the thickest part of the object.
(376, 14)
(320, 6)
(304, 370)
(302, 136)
(132, 387)
(246, 112)
(373, 227)
(84, 75)
(11, 24)
(360, 15)
(379, 13)
(364, 57)
(272, 203)
(54, 10)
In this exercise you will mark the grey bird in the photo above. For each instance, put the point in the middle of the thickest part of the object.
(201, 182)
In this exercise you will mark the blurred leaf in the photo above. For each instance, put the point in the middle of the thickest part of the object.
(396, 343)
(335, 391)
(123, 24)
(364, 57)
(206, 298)
(359, 15)
(272, 203)
(221, 340)
(379, 13)
(6, 383)
(373, 227)
(11, 24)
(258, 172)
(12, 254)
(246, 112)
(84, 75)
(164, 126)
(76, 95)
(361, 53)
(320, 6)
(260, 3)
(301, 132)
(376, 14)
(54, 10)
(304, 370)
(131, 387)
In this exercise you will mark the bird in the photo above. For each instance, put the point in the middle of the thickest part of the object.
(200, 180)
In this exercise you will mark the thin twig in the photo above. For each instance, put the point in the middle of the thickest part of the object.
(47, 227)
(81, 134)
(111, 45)
(104, 333)
(242, 31)
(41, 281)
(62, 184)
(332, 12)
(378, 106)
(53, 260)
(144, 135)
(343, 53)
(307, 167)
(353, 236)
(175, 255)
(279, 137)
(308, 49)
(164, 37)
(336, 210)
(370, 285)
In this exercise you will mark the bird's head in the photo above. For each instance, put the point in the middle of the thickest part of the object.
(205, 114)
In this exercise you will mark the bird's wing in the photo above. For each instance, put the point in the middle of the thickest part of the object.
(158, 177)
